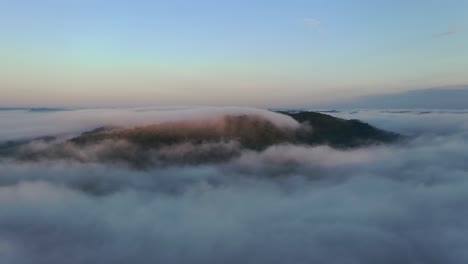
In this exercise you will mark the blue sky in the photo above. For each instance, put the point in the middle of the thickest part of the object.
(256, 53)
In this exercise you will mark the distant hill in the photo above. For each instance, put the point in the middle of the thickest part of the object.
(201, 141)
(250, 131)
(434, 98)
(339, 133)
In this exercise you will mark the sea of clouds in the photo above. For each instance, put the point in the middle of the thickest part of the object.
(402, 203)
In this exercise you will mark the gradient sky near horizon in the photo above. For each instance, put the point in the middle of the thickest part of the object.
(81, 53)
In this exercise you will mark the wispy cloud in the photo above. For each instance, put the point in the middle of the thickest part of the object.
(312, 23)
(449, 32)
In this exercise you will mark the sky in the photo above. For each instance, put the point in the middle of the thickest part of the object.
(84, 53)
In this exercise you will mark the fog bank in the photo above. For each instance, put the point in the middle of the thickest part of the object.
(403, 203)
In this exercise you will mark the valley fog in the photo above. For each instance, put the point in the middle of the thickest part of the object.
(288, 203)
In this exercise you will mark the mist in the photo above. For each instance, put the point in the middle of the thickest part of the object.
(288, 203)
(27, 124)
(413, 122)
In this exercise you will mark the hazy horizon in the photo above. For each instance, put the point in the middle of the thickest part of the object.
(455, 97)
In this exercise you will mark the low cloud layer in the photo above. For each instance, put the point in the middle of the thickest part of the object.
(403, 203)
(419, 122)
(24, 124)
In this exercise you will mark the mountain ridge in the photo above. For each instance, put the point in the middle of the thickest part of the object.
(201, 141)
